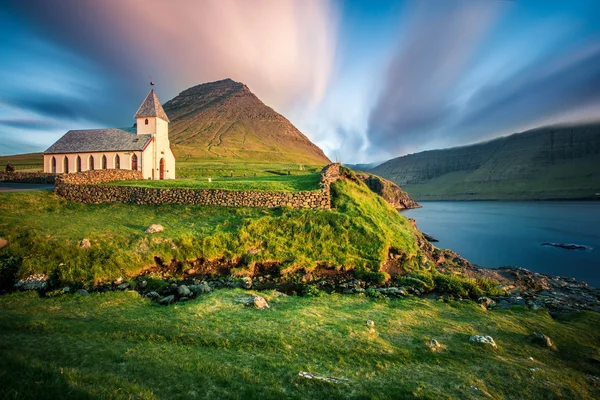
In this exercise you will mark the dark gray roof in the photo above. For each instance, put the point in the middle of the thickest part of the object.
(95, 140)
(151, 108)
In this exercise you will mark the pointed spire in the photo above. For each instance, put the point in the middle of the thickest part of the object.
(151, 107)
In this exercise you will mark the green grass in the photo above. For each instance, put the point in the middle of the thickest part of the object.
(119, 345)
(277, 183)
(30, 162)
(44, 232)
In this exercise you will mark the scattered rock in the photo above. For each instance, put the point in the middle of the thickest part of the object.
(392, 291)
(66, 289)
(486, 302)
(434, 345)
(82, 292)
(486, 340)
(246, 282)
(143, 284)
(154, 228)
(183, 291)
(152, 295)
(279, 294)
(85, 243)
(123, 286)
(183, 299)
(329, 379)
(200, 289)
(167, 300)
(33, 282)
(542, 340)
(370, 324)
(3, 242)
(118, 281)
(256, 301)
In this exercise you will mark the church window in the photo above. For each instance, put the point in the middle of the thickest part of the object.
(117, 162)
(134, 163)
(66, 165)
(78, 164)
(91, 163)
(146, 121)
(53, 165)
(104, 166)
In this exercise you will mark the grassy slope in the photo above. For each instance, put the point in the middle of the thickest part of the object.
(44, 231)
(277, 183)
(23, 162)
(118, 345)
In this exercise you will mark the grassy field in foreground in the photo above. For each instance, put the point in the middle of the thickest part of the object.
(44, 232)
(277, 183)
(119, 345)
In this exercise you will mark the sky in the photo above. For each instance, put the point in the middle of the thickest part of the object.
(364, 80)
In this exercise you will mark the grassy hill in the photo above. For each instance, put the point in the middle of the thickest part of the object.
(223, 120)
(30, 162)
(561, 162)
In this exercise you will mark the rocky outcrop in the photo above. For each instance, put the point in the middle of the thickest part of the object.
(391, 192)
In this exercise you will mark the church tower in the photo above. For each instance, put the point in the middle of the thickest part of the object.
(152, 120)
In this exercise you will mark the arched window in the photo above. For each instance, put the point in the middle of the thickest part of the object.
(78, 164)
(53, 165)
(117, 162)
(66, 165)
(91, 162)
(103, 161)
(146, 121)
(134, 165)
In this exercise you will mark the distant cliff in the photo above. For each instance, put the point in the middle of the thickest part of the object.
(558, 162)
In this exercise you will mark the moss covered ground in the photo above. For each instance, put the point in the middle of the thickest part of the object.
(119, 345)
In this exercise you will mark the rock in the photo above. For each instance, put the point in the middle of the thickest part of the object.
(118, 281)
(486, 302)
(143, 284)
(85, 243)
(279, 294)
(66, 289)
(392, 291)
(154, 228)
(569, 246)
(485, 340)
(3, 242)
(183, 291)
(542, 340)
(152, 295)
(329, 379)
(82, 292)
(167, 300)
(370, 323)
(434, 345)
(123, 286)
(33, 282)
(257, 301)
(504, 304)
(429, 238)
(246, 282)
(183, 299)
(200, 289)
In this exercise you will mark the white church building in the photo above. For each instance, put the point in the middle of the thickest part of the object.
(144, 148)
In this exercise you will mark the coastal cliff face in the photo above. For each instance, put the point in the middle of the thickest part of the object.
(224, 120)
(546, 163)
(391, 192)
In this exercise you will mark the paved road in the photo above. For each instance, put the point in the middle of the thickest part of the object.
(6, 187)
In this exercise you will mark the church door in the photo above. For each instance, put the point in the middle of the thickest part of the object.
(162, 168)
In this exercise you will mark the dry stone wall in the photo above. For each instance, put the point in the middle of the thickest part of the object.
(87, 188)
(27, 177)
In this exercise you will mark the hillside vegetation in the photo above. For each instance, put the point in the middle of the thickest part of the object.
(44, 232)
(546, 163)
(224, 120)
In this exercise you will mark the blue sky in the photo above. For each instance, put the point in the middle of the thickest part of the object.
(365, 80)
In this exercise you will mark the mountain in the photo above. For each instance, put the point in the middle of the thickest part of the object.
(556, 162)
(224, 120)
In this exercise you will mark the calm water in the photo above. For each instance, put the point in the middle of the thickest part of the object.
(494, 234)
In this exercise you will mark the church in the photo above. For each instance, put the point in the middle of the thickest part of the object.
(144, 148)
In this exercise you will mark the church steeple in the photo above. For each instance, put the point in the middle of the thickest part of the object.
(151, 107)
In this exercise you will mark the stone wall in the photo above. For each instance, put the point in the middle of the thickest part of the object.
(27, 177)
(86, 188)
